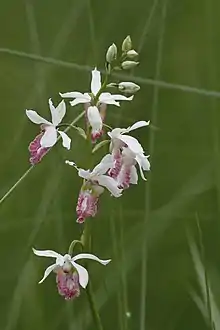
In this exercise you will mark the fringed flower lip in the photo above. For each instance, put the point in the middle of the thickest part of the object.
(66, 262)
(50, 129)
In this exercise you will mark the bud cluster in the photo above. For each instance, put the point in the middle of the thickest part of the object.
(125, 61)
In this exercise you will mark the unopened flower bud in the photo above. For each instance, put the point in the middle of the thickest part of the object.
(126, 65)
(126, 45)
(132, 54)
(111, 54)
(128, 87)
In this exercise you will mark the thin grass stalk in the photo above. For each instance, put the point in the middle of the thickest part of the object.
(8, 193)
(207, 288)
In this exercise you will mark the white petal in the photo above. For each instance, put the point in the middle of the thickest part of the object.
(140, 167)
(85, 174)
(138, 124)
(108, 99)
(132, 143)
(35, 118)
(105, 164)
(57, 113)
(46, 253)
(96, 81)
(145, 164)
(94, 118)
(116, 132)
(49, 138)
(119, 97)
(129, 157)
(66, 140)
(47, 272)
(134, 175)
(92, 257)
(83, 274)
(72, 95)
(110, 184)
(78, 100)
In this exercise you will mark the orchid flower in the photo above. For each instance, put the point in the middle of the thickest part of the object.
(97, 175)
(69, 273)
(96, 84)
(118, 136)
(120, 139)
(93, 187)
(50, 130)
(93, 101)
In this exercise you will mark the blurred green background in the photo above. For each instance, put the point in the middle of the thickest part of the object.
(49, 46)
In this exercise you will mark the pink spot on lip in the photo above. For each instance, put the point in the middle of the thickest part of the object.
(125, 177)
(114, 171)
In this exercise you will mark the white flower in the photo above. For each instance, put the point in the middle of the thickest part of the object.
(106, 98)
(50, 137)
(66, 262)
(127, 151)
(118, 137)
(97, 176)
(93, 103)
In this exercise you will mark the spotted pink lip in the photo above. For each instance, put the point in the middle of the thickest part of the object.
(36, 151)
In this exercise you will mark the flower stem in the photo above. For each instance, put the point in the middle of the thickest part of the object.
(72, 246)
(95, 314)
(86, 241)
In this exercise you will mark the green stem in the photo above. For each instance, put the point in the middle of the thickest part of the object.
(95, 314)
(72, 245)
(86, 240)
(86, 235)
